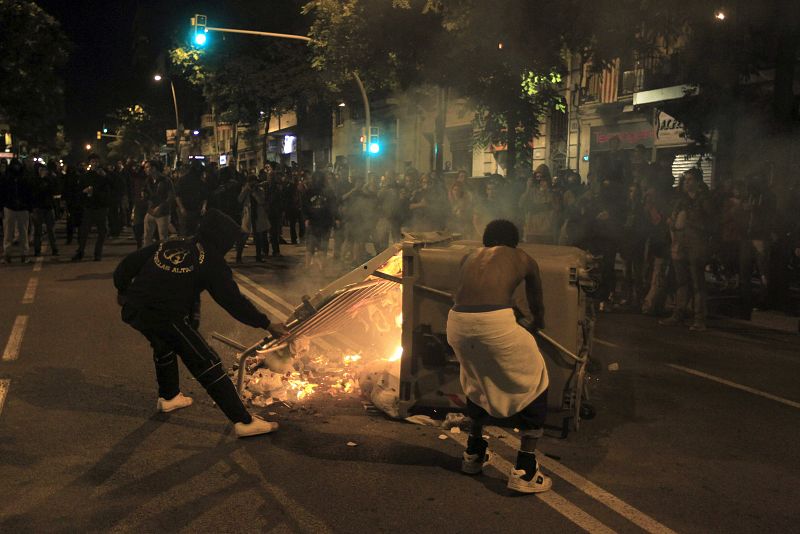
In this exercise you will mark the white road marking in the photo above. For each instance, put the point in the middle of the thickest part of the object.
(638, 518)
(287, 306)
(274, 312)
(770, 396)
(30, 291)
(5, 384)
(37, 264)
(15, 339)
(550, 498)
(606, 343)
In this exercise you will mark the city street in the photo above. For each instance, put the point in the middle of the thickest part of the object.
(694, 432)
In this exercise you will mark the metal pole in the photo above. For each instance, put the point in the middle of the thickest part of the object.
(306, 39)
(177, 127)
(263, 34)
(368, 120)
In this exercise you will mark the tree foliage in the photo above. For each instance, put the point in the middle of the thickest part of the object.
(492, 51)
(138, 134)
(34, 50)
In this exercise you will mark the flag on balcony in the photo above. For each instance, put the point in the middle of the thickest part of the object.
(608, 85)
(601, 87)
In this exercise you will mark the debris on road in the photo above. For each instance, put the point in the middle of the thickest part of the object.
(423, 420)
(352, 444)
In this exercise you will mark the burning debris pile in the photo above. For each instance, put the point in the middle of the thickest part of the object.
(350, 346)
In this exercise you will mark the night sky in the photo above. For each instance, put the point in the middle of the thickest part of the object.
(120, 44)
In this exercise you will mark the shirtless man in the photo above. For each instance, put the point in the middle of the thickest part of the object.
(503, 373)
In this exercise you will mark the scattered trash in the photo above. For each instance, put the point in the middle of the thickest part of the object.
(613, 366)
(485, 436)
(423, 420)
(272, 413)
(455, 430)
(454, 420)
(443, 436)
(352, 444)
(516, 430)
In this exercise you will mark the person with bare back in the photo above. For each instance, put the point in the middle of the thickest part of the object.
(503, 373)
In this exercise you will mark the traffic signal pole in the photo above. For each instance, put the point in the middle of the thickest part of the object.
(368, 120)
(364, 98)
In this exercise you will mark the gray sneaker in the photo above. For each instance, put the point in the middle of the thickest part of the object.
(472, 464)
(671, 321)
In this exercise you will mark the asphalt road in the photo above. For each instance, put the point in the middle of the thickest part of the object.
(83, 450)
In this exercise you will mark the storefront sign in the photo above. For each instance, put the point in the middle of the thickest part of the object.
(669, 131)
(629, 134)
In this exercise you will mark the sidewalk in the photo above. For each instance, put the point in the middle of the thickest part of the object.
(772, 320)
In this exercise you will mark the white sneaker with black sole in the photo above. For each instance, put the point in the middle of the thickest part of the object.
(518, 481)
(256, 427)
(176, 403)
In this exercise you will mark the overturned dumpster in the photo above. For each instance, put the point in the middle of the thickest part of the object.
(381, 329)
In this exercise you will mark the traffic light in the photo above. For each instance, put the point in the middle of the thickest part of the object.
(374, 140)
(105, 130)
(199, 23)
(99, 134)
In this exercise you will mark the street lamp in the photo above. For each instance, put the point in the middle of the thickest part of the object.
(719, 15)
(88, 146)
(158, 78)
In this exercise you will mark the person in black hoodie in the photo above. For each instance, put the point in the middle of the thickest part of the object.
(16, 197)
(159, 288)
(44, 190)
(95, 199)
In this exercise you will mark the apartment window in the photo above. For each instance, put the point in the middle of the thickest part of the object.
(631, 75)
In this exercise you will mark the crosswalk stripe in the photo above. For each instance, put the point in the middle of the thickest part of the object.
(551, 498)
(11, 351)
(5, 384)
(642, 520)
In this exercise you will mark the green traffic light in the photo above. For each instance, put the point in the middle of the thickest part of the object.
(374, 148)
(200, 39)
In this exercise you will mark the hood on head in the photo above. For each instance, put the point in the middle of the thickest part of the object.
(218, 231)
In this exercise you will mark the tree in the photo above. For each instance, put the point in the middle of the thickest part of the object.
(471, 47)
(137, 134)
(248, 80)
(34, 52)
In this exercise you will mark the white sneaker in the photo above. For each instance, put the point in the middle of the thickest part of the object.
(537, 484)
(472, 464)
(176, 403)
(256, 427)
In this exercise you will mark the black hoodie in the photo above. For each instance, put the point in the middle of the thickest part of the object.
(162, 282)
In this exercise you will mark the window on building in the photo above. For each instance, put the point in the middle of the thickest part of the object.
(339, 115)
(631, 74)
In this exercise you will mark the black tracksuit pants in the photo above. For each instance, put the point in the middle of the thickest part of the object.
(180, 338)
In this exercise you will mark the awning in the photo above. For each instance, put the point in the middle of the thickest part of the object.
(665, 93)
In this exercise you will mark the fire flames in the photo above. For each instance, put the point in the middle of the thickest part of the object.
(358, 358)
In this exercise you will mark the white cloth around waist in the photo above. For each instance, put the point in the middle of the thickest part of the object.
(502, 370)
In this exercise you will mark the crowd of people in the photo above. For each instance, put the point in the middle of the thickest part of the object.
(669, 237)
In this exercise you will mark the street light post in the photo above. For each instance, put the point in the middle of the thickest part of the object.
(158, 78)
(307, 39)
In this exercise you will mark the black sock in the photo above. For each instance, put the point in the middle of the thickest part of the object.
(476, 445)
(527, 462)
